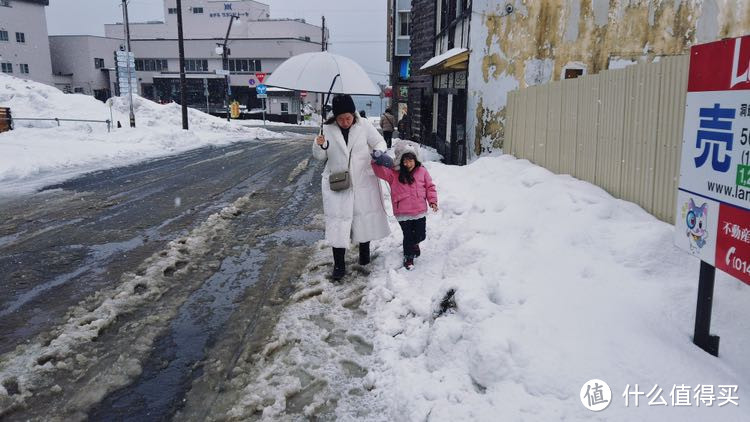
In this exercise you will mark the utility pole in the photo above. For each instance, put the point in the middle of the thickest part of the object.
(323, 36)
(225, 62)
(127, 51)
(183, 81)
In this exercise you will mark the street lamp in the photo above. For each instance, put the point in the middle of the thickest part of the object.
(225, 62)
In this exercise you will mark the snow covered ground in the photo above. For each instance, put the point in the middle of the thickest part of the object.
(556, 283)
(37, 153)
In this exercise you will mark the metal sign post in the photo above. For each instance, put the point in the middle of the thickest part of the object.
(129, 57)
(261, 92)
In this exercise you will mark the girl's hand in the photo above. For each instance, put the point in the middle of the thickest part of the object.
(320, 140)
(434, 207)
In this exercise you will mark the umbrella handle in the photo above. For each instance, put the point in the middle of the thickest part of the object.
(326, 145)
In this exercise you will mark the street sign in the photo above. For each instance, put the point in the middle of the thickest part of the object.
(261, 89)
(260, 76)
(713, 208)
(262, 95)
(222, 72)
(251, 82)
(303, 94)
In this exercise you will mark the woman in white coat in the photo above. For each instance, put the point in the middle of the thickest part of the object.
(357, 212)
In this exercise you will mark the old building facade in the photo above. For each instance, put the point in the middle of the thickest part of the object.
(520, 43)
(466, 55)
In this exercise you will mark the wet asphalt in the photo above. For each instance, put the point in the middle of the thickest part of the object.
(70, 240)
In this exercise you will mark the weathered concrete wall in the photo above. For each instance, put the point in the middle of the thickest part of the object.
(539, 40)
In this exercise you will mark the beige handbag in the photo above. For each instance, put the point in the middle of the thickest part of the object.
(341, 180)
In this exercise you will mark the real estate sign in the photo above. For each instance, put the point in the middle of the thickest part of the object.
(713, 200)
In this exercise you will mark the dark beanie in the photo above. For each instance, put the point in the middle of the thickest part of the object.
(343, 104)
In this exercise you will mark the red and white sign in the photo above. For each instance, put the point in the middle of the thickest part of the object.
(260, 76)
(713, 208)
(303, 94)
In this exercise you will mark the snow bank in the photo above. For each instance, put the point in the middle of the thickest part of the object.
(41, 152)
(556, 283)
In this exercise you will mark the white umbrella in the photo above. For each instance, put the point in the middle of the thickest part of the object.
(322, 72)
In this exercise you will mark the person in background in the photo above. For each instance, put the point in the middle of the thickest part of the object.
(404, 127)
(363, 114)
(387, 123)
(355, 213)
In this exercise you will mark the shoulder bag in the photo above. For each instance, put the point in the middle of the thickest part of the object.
(341, 180)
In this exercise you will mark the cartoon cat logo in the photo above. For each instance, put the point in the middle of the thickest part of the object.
(695, 218)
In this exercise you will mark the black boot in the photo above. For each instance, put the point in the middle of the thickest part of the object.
(339, 265)
(364, 253)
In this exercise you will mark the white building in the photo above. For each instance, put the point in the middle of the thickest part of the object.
(24, 47)
(256, 44)
(84, 64)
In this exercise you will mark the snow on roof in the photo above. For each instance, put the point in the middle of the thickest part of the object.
(443, 57)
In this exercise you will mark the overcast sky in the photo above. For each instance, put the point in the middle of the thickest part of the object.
(357, 27)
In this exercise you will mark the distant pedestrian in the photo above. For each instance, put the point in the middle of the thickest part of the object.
(352, 200)
(387, 123)
(412, 190)
(363, 114)
(404, 126)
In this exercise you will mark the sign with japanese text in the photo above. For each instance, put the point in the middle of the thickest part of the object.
(260, 76)
(713, 200)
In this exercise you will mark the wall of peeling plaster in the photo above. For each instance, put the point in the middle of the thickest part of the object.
(540, 38)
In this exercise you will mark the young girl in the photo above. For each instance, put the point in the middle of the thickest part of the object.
(411, 191)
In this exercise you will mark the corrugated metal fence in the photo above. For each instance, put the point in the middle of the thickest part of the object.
(620, 129)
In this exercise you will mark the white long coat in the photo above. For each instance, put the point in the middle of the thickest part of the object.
(355, 214)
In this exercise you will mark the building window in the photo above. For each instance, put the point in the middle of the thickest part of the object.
(78, 90)
(197, 10)
(5, 3)
(98, 63)
(3, 35)
(404, 24)
(7, 67)
(284, 108)
(20, 37)
(172, 10)
(242, 65)
(196, 65)
(151, 65)
(24, 68)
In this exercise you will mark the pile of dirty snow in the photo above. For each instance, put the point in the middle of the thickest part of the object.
(37, 153)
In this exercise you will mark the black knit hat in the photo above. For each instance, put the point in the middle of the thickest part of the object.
(343, 104)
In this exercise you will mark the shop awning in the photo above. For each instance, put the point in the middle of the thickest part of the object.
(451, 60)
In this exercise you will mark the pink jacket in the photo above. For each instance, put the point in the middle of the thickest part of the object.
(408, 199)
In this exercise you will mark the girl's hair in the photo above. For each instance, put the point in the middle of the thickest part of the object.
(332, 119)
(404, 175)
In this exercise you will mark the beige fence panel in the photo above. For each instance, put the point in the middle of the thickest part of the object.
(520, 122)
(588, 112)
(620, 129)
(510, 114)
(529, 125)
(540, 116)
(671, 112)
(613, 95)
(640, 141)
(569, 126)
(554, 135)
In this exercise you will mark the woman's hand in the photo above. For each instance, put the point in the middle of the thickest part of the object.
(434, 207)
(320, 140)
